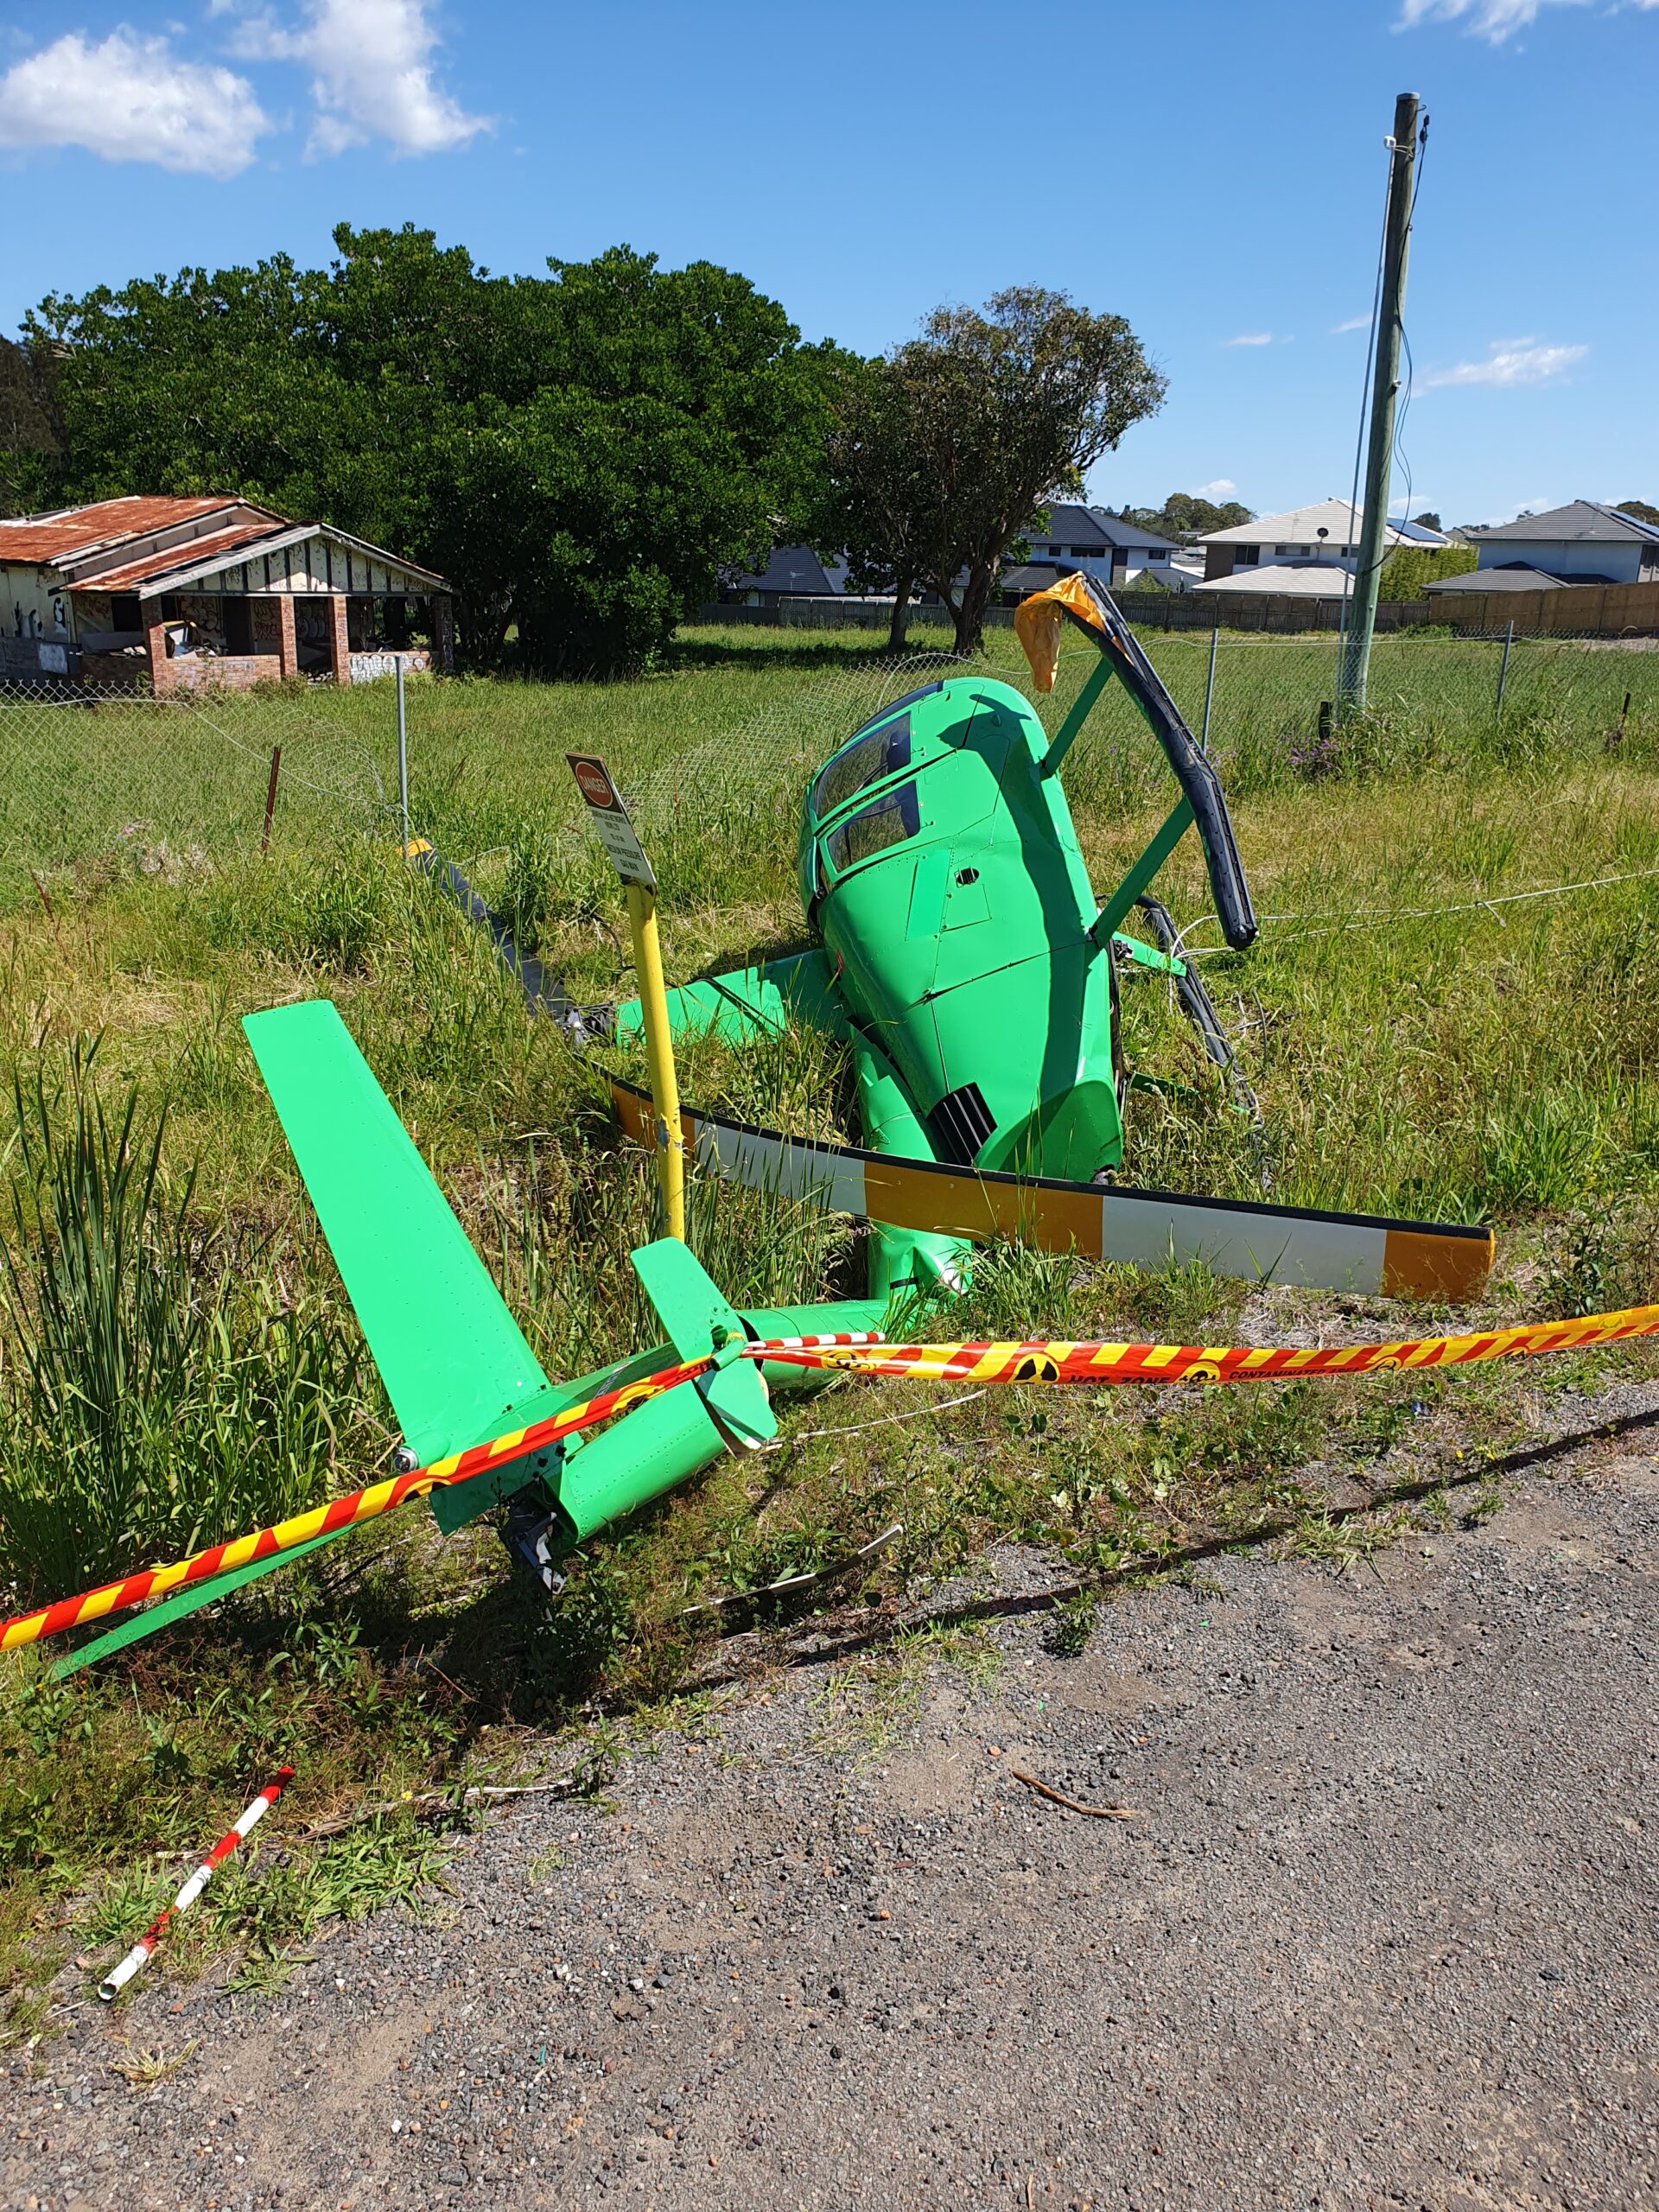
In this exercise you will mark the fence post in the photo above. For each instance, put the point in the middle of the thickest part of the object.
(1504, 669)
(1208, 690)
(403, 757)
(270, 798)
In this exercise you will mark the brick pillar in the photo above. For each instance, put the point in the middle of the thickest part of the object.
(288, 648)
(162, 678)
(443, 633)
(339, 643)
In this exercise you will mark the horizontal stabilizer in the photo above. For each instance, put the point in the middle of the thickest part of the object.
(684, 1297)
(749, 1002)
(698, 1320)
(455, 1362)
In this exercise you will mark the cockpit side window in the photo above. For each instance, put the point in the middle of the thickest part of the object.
(883, 752)
(889, 822)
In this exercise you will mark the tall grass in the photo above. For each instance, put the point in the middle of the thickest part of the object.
(716, 738)
(159, 1391)
(175, 1366)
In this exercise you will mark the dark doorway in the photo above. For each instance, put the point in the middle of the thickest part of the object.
(238, 626)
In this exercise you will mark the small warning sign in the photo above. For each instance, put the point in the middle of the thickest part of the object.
(610, 819)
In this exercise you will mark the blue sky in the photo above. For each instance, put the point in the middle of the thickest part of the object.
(1210, 168)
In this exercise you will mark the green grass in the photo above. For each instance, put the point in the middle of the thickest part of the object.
(176, 1362)
(164, 789)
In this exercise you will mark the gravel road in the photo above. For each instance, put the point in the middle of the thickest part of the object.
(1380, 1934)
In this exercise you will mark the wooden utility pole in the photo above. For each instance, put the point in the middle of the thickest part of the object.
(1373, 537)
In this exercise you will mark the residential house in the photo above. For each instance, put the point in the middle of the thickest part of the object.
(1327, 535)
(213, 590)
(791, 572)
(1103, 545)
(1179, 573)
(1116, 554)
(1298, 580)
(1583, 543)
(1515, 577)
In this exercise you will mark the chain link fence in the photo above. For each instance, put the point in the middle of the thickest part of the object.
(92, 785)
(1257, 693)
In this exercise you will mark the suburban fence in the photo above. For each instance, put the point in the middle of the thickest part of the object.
(1278, 612)
(96, 786)
(787, 613)
(1575, 611)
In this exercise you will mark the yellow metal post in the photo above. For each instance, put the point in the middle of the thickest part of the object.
(660, 1056)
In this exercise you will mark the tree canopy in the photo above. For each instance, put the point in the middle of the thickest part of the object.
(943, 452)
(580, 453)
(1185, 515)
(28, 427)
(1409, 567)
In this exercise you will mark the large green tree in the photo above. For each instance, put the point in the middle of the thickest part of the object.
(877, 496)
(29, 439)
(1184, 516)
(580, 452)
(676, 426)
(947, 450)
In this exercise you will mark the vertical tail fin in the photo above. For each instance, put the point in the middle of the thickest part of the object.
(453, 1360)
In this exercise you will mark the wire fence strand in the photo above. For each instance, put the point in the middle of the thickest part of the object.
(93, 785)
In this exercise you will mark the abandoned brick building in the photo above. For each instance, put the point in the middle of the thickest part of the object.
(188, 592)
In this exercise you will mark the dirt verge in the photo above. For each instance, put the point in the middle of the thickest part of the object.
(1381, 1932)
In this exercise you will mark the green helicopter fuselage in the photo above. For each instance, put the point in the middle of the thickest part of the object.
(941, 867)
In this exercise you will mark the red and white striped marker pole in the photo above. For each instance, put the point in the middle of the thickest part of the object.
(198, 1882)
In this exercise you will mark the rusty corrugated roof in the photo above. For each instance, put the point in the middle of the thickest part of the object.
(49, 537)
(213, 545)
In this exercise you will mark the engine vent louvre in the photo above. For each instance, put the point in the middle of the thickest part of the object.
(960, 1123)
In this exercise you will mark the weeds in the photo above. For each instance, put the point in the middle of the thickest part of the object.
(148, 2070)
(158, 1392)
(870, 1702)
(1072, 1624)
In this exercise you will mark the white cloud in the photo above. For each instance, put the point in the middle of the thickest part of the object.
(1219, 490)
(370, 63)
(1512, 362)
(1492, 20)
(1540, 504)
(1354, 322)
(129, 99)
(1255, 338)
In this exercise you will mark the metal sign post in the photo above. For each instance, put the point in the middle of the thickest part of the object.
(403, 758)
(616, 833)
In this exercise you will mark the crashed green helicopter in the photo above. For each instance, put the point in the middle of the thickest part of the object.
(970, 971)
(966, 963)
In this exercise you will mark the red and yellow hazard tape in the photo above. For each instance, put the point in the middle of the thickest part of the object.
(341, 1513)
(1032, 1360)
(365, 1505)
(1046, 1360)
